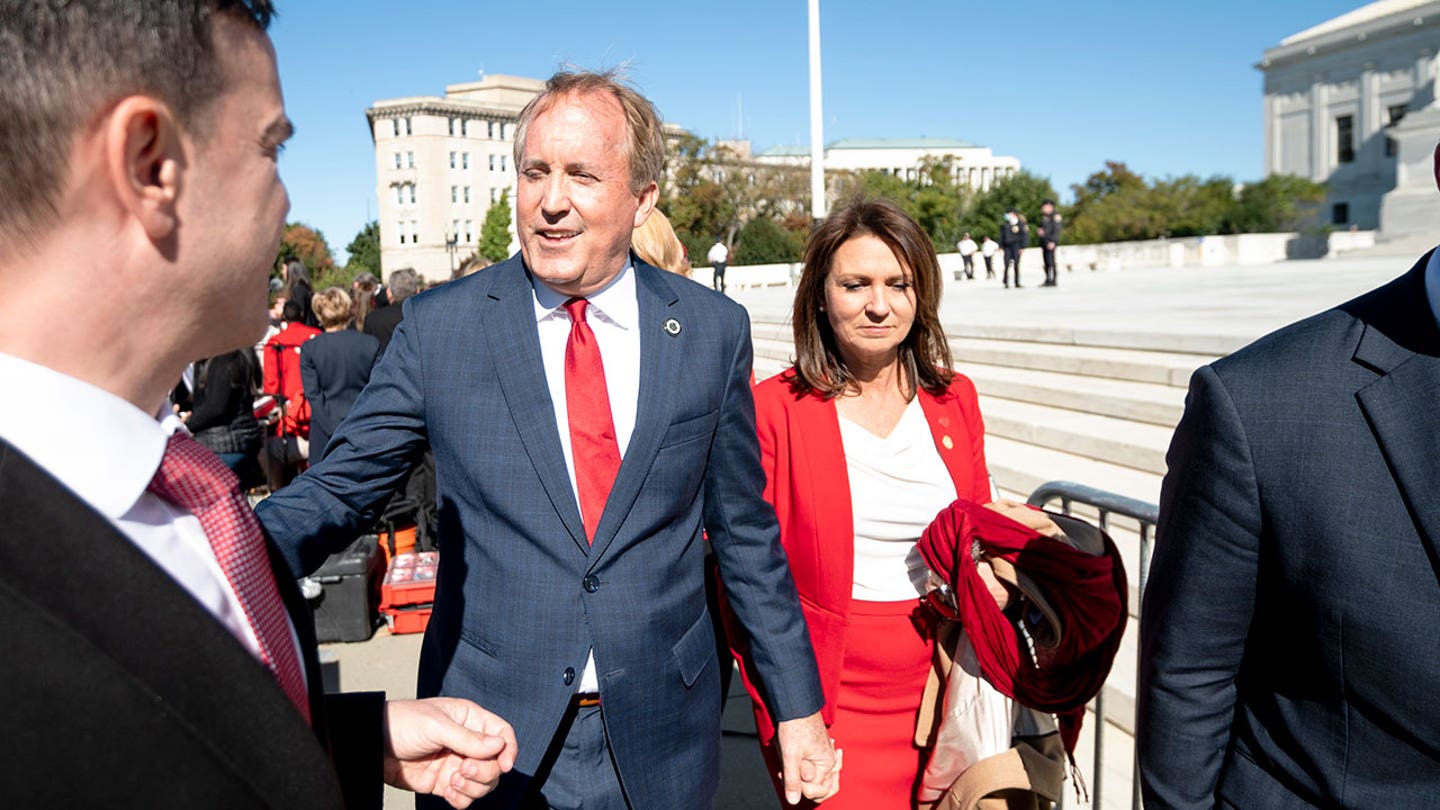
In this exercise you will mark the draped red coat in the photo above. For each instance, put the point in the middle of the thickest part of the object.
(807, 482)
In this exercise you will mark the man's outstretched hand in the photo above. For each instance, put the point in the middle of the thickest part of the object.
(448, 747)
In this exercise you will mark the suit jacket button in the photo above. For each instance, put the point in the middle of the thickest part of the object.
(591, 583)
(569, 675)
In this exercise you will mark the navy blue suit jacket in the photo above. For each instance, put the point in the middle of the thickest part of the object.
(334, 368)
(521, 595)
(1291, 638)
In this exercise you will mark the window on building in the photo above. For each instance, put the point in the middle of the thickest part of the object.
(400, 195)
(1345, 138)
(454, 194)
(410, 160)
(454, 227)
(452, 160)
(397, 160)
(408, 131)
(412, 193)
(502, 163)
(492, 163)
(467, 194)
(1394, 113)
(464, 160)
(494, 195)
(400, 226)
(469, 230)
(490, 129)
(394, 127)
(1340, 214)
(414, 232)
(452, 126)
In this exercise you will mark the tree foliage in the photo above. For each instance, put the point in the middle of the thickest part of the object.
(495, 231)
(300, 241)
(1117, 205)
(713, 192)
(364, 251)
(763, 241)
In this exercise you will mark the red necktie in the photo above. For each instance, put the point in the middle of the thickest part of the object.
(194, 479)
(593, 445)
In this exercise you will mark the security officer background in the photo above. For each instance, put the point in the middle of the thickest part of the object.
(1049, 233)
(1014, 236)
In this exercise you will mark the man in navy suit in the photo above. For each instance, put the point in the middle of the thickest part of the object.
(156, 652)
(1291, 636)
(576, 485)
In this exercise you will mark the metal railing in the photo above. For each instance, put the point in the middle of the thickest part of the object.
(1069, 494)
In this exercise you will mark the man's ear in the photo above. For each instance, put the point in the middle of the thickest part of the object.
(145, 162)
(648, 198)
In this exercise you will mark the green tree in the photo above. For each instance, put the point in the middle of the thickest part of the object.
(364, 251)
(1280, 202)
(1022, 191)
(763, 241)
(495, 232)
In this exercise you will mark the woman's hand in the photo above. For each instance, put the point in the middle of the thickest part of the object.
(1034, 519)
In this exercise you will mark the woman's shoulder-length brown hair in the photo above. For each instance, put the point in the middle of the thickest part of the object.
(924, 354)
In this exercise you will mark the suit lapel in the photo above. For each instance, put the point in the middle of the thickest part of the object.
(71, 563)
(660, 354)
(1402, 343)
(509, 324)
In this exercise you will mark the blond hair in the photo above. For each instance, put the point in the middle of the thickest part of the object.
(332, 306)
(655, 242)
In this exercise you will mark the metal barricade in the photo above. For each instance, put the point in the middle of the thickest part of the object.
(1069, 494)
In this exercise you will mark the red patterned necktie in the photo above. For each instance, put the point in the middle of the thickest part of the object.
(593, 446)
(194, 479)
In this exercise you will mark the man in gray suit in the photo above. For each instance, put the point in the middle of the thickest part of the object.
(1291, 636)
(591, 420)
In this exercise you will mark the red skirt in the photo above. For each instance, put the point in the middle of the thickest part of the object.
(887, 661)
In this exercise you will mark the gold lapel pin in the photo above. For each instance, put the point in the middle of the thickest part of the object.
(672, 327)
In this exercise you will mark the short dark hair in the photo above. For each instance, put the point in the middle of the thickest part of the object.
(61, 61)
(924, 354)
(646, 141)
(292, 312)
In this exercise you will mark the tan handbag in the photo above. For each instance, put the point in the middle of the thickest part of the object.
(1027, 776)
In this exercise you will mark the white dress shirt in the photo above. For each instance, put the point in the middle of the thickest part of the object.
(614, 316)
(898, 485)
(105, 451)
(1432, 284)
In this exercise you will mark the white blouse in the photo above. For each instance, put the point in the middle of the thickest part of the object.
(898, 484)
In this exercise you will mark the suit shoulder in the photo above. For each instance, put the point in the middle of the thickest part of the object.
(1327, 337)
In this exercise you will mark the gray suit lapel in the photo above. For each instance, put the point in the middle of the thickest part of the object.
(509, 323)
(660, 355)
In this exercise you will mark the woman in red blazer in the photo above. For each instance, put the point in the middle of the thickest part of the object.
(864, 440)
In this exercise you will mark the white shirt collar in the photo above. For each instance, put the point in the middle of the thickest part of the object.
(1432, 284)
(69, 427)
(616, 302)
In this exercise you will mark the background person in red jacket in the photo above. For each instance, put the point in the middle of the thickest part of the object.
(281, 362)
(864, 441)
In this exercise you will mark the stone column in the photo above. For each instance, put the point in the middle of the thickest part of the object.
(1319, 131)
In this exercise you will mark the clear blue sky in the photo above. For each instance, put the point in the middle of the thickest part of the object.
(1169, 88)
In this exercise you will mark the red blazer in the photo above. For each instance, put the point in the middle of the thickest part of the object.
(281, 364)
(807, 482)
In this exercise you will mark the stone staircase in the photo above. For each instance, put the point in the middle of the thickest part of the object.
(1096, 408)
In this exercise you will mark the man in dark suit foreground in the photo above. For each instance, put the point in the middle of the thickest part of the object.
(155, 654)
(1291, 636)
(591, 418)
